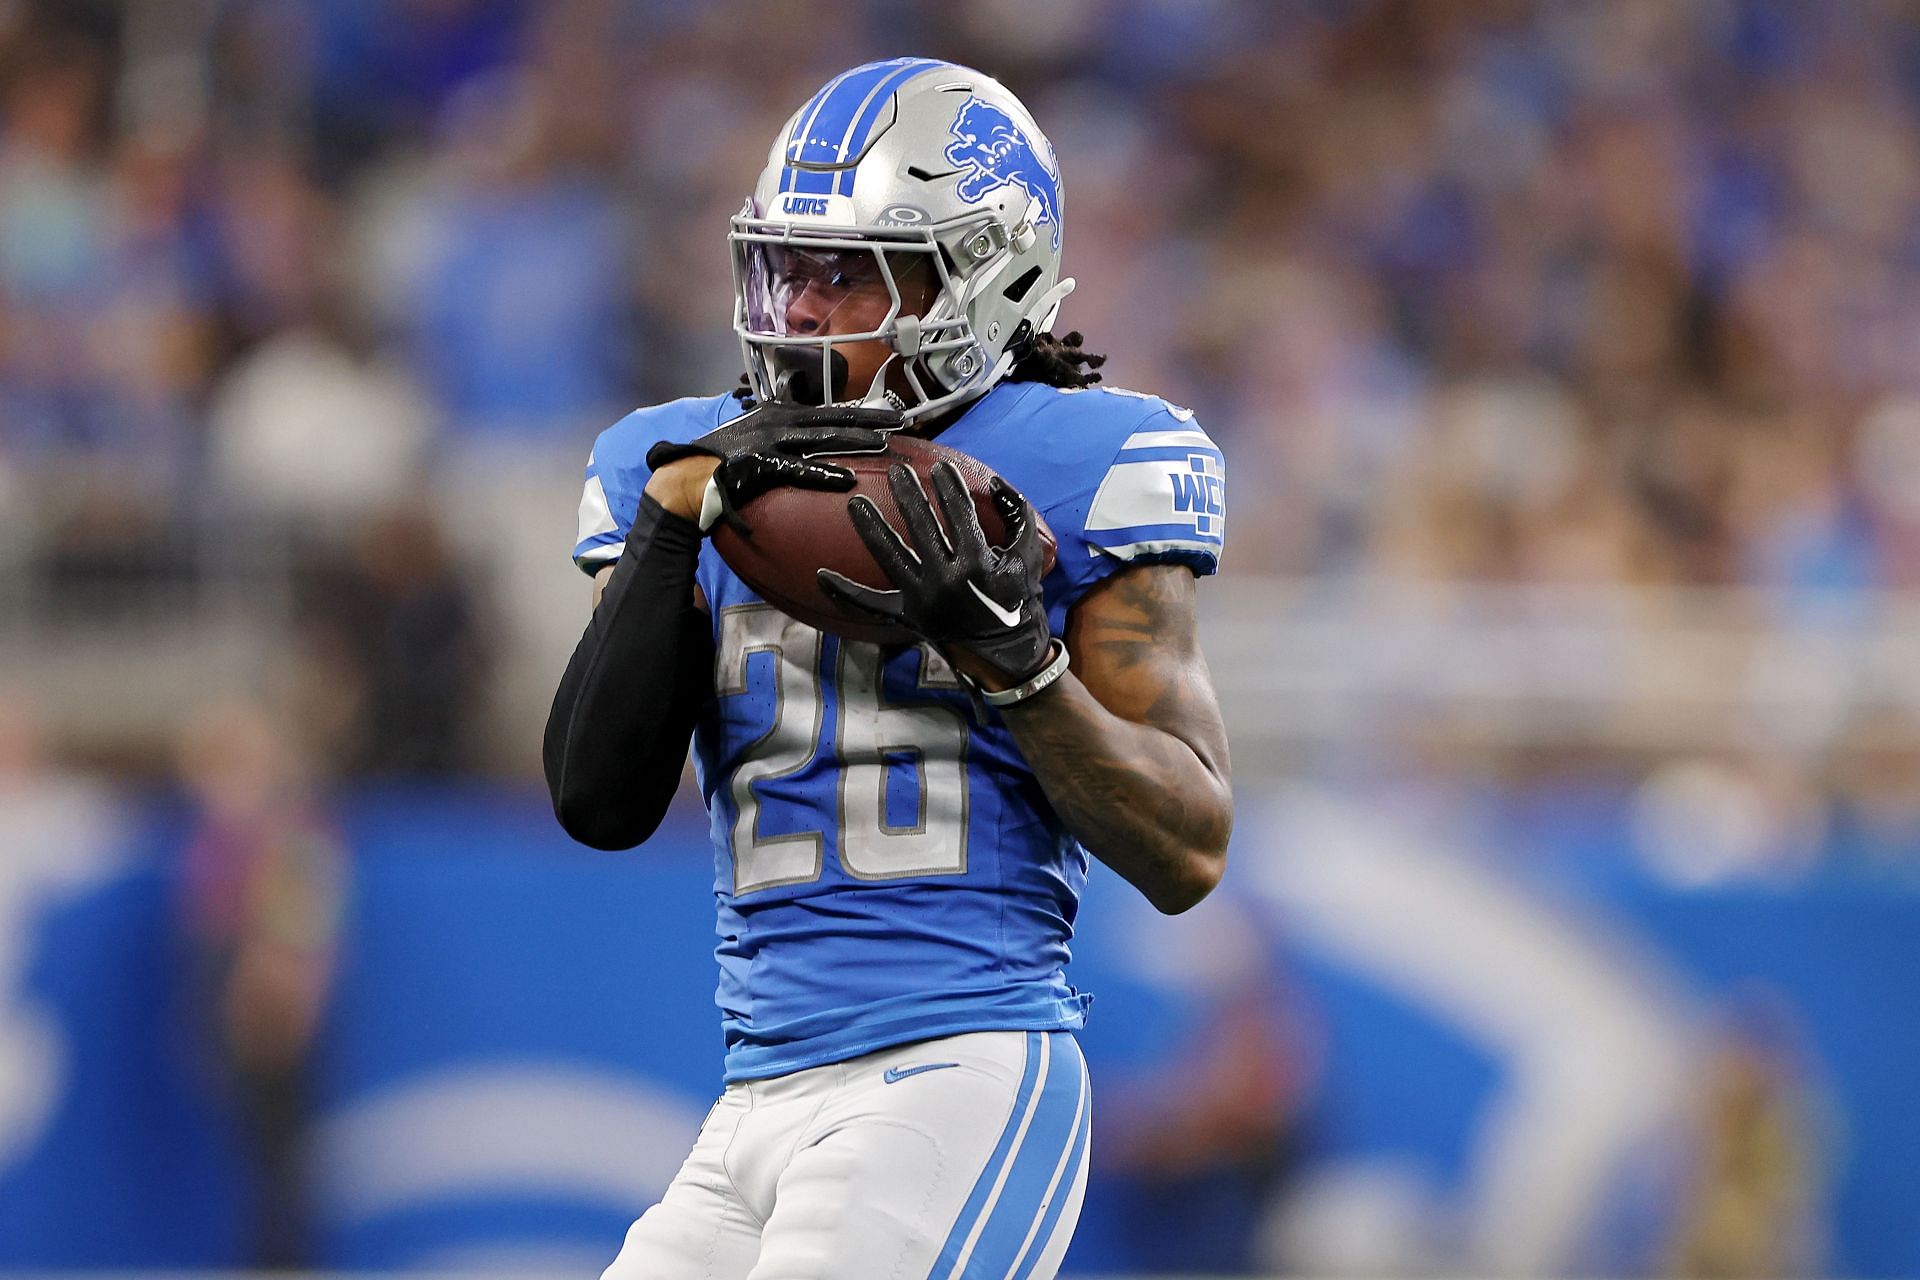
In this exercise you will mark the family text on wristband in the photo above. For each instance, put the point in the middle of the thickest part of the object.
(1055, 668)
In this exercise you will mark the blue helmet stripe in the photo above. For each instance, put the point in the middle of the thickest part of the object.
(819, 142)
(856, 137)
(826, 128)
(806, 182)
(803, 123)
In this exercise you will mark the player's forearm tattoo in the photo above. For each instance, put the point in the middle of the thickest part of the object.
(1139, 773)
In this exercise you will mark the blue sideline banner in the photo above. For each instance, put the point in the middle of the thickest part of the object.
(1363, 1049)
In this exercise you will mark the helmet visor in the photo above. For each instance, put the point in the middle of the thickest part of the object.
(807, 290)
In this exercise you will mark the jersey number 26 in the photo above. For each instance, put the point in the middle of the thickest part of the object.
(870, 737)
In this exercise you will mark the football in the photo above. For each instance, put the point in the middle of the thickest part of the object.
(797, 532)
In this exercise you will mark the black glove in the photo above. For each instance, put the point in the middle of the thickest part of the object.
(774, 444)
(958, 592)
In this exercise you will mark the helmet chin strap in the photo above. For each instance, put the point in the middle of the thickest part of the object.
(906, 345)
(1047, 309)
(878, 397)
(797, 374)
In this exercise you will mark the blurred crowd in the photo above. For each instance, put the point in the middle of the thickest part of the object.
(1504, 291)
(1563, 293)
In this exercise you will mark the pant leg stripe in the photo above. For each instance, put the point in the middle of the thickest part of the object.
(1011, 1184)
(966, 1227)
(1036, 1167)
(1062, 1190)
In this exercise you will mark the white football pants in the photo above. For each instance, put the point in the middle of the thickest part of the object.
(959, 1157)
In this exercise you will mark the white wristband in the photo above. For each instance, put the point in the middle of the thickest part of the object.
(710, 503)
(1055, 668)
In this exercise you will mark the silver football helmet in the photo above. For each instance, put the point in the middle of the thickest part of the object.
(902, 166)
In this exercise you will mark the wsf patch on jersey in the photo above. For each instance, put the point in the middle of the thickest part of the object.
(1165, 494)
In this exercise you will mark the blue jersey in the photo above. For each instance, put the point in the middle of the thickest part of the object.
(887, 868)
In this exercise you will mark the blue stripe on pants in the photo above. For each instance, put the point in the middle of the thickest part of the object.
(1038, 1170)
(983, 1186)
(1050, 1220)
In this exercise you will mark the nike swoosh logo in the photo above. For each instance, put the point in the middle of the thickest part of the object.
(894, 1075)
(1008, 617)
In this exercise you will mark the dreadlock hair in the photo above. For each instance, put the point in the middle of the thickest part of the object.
(1057, 362)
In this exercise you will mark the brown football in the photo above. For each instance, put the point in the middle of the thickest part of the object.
(799, 531)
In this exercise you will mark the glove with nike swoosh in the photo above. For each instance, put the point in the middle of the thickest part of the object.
(955, 591)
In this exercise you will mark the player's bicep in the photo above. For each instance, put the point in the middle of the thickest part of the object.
(1135, 644)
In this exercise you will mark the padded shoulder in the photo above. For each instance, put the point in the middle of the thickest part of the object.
(1164, 495)
(617, 469)
(1121, 478)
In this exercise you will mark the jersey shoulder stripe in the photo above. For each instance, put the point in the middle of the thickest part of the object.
(617, 470)
(1121, 478)
(599, 538)
(1163, 497)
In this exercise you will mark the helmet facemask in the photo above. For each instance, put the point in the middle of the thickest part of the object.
(940, 358)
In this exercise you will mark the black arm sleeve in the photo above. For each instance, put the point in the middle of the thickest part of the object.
(617, 735)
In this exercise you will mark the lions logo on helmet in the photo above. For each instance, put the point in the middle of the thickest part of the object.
(991, 144)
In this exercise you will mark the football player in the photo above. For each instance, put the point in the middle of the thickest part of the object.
(901, 834)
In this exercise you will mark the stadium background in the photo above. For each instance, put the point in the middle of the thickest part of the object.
(1567, 358)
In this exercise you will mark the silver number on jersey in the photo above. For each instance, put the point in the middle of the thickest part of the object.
(873, 737)
(760, 861)
(933, 736)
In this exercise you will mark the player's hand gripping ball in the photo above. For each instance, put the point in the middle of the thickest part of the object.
(796, 537)
(774, 446)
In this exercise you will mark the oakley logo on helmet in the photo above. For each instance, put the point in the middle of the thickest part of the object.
(998, 154)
